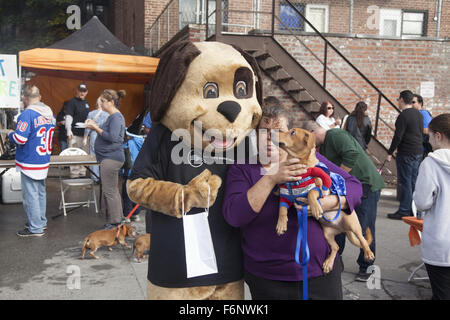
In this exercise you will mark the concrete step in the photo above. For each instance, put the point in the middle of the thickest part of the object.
(312, 106)
(269, 64)
(301, 96)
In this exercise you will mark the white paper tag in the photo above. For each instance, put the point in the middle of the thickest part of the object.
(199, 248)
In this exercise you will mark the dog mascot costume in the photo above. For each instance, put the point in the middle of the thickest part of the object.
(205, 98)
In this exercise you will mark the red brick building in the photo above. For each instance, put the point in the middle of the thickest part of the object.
(396, 44)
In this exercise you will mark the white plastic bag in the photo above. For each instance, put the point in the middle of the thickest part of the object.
(199, 248)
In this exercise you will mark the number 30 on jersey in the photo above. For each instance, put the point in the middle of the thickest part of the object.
(46, 141)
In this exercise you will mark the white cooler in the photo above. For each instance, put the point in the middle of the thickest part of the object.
(11, 186)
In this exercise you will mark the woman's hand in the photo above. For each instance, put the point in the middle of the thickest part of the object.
(91, 124)
(286, 171)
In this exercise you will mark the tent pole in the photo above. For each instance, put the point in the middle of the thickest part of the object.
(20, 88)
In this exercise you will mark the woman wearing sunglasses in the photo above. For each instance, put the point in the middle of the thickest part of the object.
(325, 118)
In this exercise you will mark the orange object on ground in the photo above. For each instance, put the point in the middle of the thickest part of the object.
(416, 226)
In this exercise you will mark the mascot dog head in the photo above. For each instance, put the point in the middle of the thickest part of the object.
(211, 89)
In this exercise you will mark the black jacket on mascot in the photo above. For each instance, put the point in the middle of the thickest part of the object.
(205, 99)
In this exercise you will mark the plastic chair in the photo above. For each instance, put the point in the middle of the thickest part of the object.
(66, 184)
(411, 276)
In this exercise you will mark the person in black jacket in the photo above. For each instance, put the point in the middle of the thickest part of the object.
(359, 126)
(408, 143)
(77, 110)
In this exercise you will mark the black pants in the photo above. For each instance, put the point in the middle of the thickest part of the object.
(326, 287)
(440, 281)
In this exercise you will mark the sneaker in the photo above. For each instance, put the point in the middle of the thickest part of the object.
(28, 227)
(126, 220)
(363, 276)
(135, 218)
(28, 233)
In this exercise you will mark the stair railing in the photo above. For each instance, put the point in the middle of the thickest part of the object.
(329, 46)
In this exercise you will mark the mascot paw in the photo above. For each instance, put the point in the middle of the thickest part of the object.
(197, 190)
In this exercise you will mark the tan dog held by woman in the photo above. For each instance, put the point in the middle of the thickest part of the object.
(301, 144)
(140, 245)
(107, 238)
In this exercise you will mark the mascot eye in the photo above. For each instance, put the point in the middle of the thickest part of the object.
(210, 91)
(241, 89)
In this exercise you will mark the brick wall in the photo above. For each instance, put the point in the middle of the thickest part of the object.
(152, 9)
(127, 21)
(392, 65)
(270, 88)
(339, 14)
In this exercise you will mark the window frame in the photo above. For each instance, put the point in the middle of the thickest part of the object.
(424, 22)
(399, 13)
(327, 16)
(389, 13)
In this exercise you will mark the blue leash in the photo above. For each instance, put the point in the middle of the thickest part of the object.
(302, 240)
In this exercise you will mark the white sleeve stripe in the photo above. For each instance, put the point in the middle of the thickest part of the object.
(19, 139)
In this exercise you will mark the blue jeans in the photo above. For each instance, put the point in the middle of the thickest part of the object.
(95, 169)
(407, 170)
(367, 215)
(62, 145)
(34, 203)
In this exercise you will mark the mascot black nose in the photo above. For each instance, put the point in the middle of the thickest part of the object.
(230, 110)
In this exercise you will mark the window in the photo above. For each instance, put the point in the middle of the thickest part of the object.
(290, 19)
(390, 22)
(397, 22)
(414, 23)
(316, 14)
(194, 11)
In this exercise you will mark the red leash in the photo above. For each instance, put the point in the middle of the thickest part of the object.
(132, 211)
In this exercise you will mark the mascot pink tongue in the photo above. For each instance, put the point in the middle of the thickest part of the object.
(198, 88)
(221, 144)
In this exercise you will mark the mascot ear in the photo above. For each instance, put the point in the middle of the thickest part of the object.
(169, 76)
(258, 81)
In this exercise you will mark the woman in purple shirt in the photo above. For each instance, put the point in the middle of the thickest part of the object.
(250, 204)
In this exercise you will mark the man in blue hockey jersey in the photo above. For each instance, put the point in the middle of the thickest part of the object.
(33, 137)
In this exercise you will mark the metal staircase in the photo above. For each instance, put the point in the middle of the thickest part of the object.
(308, 90)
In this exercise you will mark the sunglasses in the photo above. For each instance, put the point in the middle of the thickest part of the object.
(330, 108)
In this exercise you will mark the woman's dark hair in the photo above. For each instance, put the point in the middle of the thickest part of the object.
(273, 111)
(323, 107)
(441, 124)
(112, 95)
(271, 100)
(359, 113)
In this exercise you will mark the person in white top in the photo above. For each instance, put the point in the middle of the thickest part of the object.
(325, 118)
(432, 196)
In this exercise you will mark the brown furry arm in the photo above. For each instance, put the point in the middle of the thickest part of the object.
(161, 196)
(166, 196)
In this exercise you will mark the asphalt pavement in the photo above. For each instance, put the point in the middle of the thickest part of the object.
(50, 268)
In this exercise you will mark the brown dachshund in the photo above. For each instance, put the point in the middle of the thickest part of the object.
(301, 144)
(140, 245)
(107, 238)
